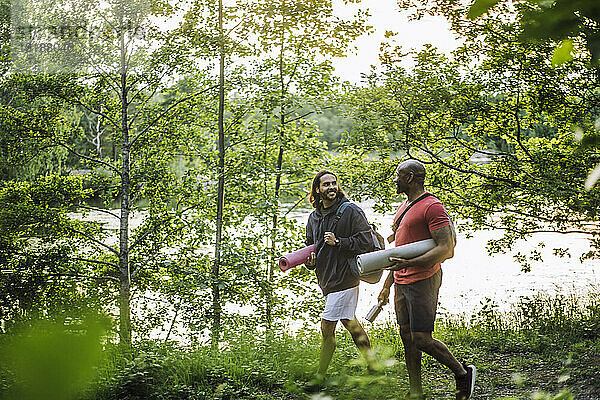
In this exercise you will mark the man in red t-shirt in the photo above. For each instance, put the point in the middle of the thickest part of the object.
(417, 280)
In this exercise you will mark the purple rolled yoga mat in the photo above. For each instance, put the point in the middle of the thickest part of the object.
(296, 258)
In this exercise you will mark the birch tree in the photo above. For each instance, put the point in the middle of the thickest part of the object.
(118, 58)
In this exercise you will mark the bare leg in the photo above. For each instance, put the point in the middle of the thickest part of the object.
(438, 350)
(328, 344)
(412, 356)
(362, 342)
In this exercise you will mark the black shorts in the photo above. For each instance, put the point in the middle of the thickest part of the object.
(416, 303)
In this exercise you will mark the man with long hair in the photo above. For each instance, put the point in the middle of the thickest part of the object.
(337, 239)
(417, 280)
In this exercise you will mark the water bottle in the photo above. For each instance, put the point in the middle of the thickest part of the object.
(374, 312)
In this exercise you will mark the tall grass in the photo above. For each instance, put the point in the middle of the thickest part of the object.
(278, 365)
(250, 366)
(563, 317)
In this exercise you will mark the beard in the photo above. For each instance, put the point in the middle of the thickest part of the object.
(400, 188)
(328, 193)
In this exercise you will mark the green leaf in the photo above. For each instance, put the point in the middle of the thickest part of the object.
(564, 395)
(480, 7)
(563, 52)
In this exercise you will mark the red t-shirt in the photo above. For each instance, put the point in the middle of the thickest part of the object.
(417, 224)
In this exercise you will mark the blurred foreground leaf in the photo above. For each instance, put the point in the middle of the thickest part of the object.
(480, 7)
(51, 362)
(563, 53)
(592, 178)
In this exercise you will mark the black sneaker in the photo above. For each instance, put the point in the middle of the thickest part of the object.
(465, 384)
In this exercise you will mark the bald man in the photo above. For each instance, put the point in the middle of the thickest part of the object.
(417, 281)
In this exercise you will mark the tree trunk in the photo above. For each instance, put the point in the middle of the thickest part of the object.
(216, 306)
(125, 273)
(278, 167)
(269, 306)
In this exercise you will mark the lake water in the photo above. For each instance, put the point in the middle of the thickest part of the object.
(472, 276)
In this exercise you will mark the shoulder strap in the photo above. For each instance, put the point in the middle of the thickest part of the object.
(397, 220)
(338, 214)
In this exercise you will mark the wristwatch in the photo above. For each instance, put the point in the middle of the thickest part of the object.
(337, 241)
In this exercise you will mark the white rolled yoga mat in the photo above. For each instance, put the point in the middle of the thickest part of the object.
(377, 260)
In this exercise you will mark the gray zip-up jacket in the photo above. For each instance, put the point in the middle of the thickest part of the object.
(332, 267)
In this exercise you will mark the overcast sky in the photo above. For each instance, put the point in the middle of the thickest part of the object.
(386, 16)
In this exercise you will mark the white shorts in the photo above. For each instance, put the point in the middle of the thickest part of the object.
(341, 305)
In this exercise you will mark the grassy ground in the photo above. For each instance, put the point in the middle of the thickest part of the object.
(543, 349)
